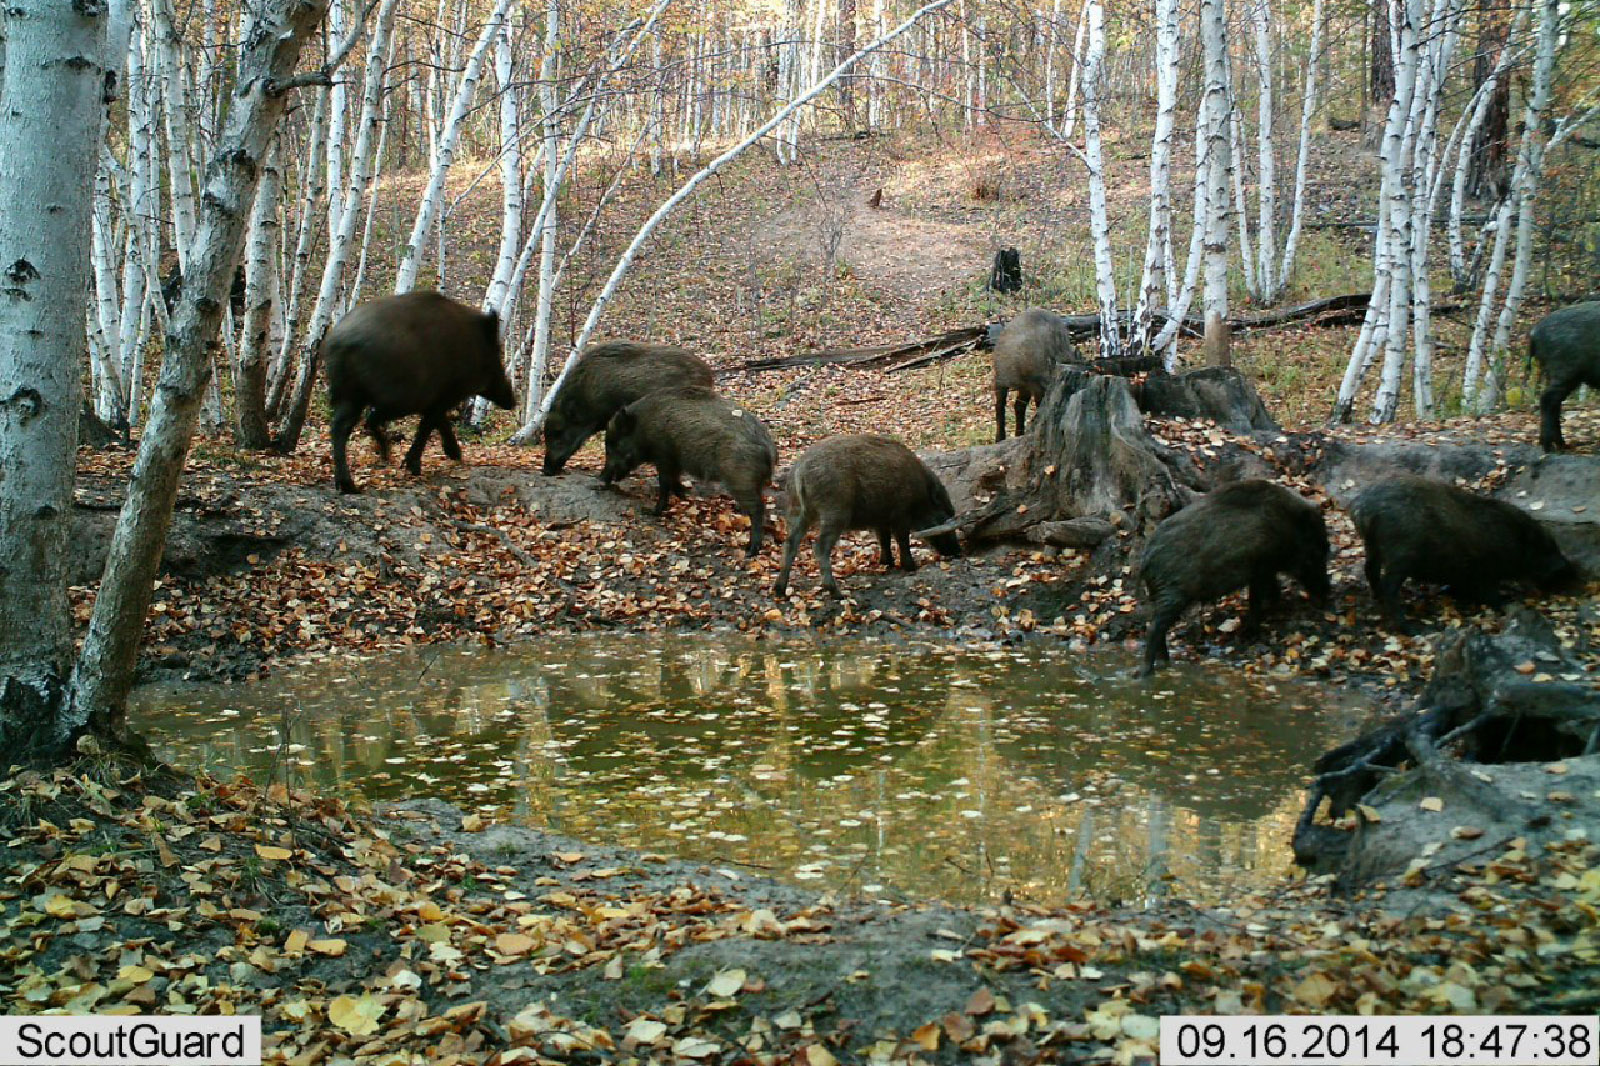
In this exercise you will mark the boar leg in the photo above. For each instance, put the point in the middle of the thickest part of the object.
(379, 435)
(1020, 405)
(667, 483)
(798, 524)
(754, 506)
(1550, 402)
(447, 438)
(908, 562)
(345, 417)
(1264, 592)
(885, 549)
(827, 537)
(425, 427)
(999, 414)
(1155, 642)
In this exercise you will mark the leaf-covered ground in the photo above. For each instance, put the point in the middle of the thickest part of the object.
(423, 938)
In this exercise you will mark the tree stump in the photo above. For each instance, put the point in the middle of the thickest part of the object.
(1499, 710)
(1086, 457)
(1007, 273)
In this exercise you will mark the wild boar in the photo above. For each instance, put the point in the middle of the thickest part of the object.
(1025, 357)
(863, 482)
(419, 353)
(1243, 534)
(691, 430)
(1566, 344)
(609, 377)
(1413, 527)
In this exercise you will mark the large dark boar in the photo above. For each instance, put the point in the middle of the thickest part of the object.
(863, 482)
(1025, 357)
(691, 430)
(609, 377)
(419, 353)
(1241, 535)
(1567, 345)
(1416, 528)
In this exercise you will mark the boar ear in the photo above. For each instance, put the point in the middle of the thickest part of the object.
(623, 421)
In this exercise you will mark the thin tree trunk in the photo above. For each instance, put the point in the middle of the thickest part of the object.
(251, 429)
(427, 211)
(105, 669)
(1099, 221)
(1153, 282)
(1213, 31)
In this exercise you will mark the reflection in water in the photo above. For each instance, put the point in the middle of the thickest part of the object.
(919, 771)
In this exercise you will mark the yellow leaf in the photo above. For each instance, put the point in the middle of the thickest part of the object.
(645, 1031)
(927, 1037)
(1314, 991)
(272, 854)
(59, 906)
(430, 912)
(817, 1055)
(296, 942)
(1369, 813)
(514, 943)
(135, 974)
(725, 984)
(334, 947)
(356, 1015)
(1432, 803)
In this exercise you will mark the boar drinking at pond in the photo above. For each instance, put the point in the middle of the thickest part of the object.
(609, 377)
(1566, 344)
(1240, 535)
(691, 430)
(1026, 354)
(863, 482)
(1416, 528)
(419, 353)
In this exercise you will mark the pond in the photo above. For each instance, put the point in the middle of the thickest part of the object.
(893, 771)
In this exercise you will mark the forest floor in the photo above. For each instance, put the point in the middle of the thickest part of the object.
(420, 937)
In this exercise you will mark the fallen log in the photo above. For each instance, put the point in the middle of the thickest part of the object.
(1329, 311)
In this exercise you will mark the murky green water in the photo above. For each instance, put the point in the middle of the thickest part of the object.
(893, 771)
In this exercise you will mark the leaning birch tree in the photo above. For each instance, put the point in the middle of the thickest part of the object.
(269, 52)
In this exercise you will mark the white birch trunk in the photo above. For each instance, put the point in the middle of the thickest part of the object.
(104, 673)
(1217, 158)
(1266, 272)
(1069, 120)
(1153, 282)
(1524, 188)
(313, 177)
(174, 111)
(1398, 196)
(427, 211)
(358, 177)
(1099, 222)
(56, 69)
(1308, 107)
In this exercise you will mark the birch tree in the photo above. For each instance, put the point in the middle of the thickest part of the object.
(104, 674)
(1217, 160)
(58, 63)
(444, 153)
(1094, 158)
(1154, 279)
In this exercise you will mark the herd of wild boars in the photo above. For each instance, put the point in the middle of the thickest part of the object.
(1245, 534)
(424, 354)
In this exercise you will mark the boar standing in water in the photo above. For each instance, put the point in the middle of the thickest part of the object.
(1416, 528)
(863, 482)
(691, 430)
(419, 353)
(609, 377)
(1240, 535)
(1567, 345)
(1025, 357)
